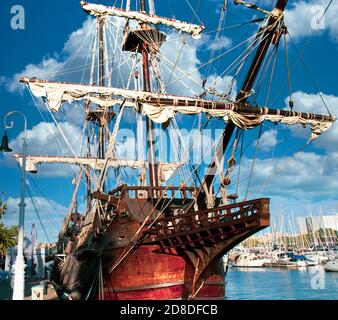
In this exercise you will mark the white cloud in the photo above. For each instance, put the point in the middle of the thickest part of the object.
(45, 69)
(79, 40)
(308, 102)
(306, 175)
(45, 139)
(304, 19)
(55, 67)
(294, 182)
(222, 42)
(51, 215)
(268, 140)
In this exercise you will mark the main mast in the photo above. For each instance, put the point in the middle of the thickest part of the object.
(101, 21)
(153, 167)
(244, 93)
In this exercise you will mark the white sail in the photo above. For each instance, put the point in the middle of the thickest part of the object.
(165, 168)
(58, 92)
(101, 10)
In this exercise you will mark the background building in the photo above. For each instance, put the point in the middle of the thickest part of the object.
(313, 224)
(321, 230)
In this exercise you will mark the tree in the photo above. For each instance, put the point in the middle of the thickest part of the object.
(8, 237)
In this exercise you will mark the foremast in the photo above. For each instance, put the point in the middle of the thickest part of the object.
(274, 23)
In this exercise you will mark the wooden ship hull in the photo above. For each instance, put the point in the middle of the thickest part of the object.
(145, 275)
(177, 257)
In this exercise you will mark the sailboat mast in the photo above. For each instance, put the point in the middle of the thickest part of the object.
(246, 87)
(153, 172)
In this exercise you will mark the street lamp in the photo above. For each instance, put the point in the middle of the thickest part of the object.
(3, 207)
(19, 266)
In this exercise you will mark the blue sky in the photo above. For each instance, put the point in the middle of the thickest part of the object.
(291, 178)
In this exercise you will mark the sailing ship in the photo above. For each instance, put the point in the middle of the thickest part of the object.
(156, 239)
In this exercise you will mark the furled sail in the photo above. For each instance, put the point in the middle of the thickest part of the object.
(101, 10)
(165, 168)
(58, 92)
(161, 107)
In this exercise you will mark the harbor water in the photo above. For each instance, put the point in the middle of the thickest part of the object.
(308, 283)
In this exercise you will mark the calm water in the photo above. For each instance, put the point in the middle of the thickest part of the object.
(281, 284)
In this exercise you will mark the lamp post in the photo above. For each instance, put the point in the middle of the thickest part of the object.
(19, 266)
(3, 207)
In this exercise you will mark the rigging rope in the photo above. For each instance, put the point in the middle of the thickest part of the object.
(272, 155)
(288, 71)
(309, 74)
(253, 162)
(195, 10)
(188, 74)
(48, 124)
(235, 25)
(108, 71)
(327, 8)
(218, 33)
(263, 73)
(116, 27)
(271, 76)
(184, 41)
(37, 214)
(240, 162)
(87, 59)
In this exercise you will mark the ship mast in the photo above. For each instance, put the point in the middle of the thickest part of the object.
(153, 167)
(245, 91)
(102, 116)
(101, 21)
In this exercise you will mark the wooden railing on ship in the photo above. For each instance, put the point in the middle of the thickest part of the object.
(215, 218)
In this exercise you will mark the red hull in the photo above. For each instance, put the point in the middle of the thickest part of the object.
(149, 275)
